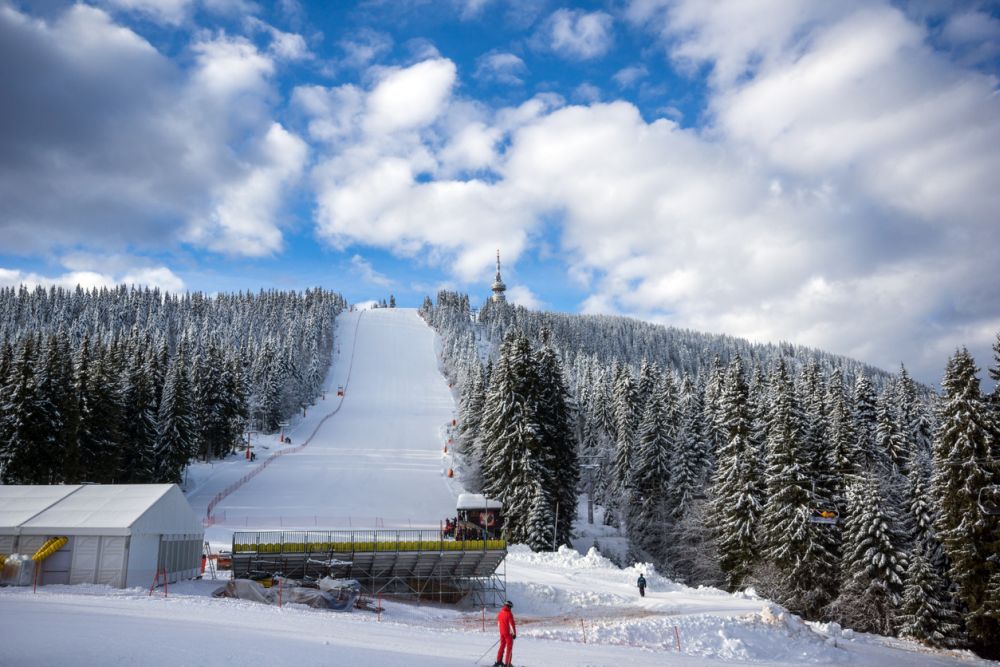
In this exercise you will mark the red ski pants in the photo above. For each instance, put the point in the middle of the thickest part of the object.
(506, 641)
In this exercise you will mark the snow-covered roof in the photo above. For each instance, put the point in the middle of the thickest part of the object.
(103, 507)
(19, 503)
(96, 509)
(477, 501)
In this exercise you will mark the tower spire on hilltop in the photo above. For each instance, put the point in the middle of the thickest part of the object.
(498, 287)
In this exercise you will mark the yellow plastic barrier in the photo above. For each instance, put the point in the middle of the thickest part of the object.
(52, 545)
(356, 547)
(3, 559)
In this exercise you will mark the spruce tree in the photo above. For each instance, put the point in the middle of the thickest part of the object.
(737, 487)
(796, 559)
(651, 476)
(540, 520)
(865, 423)
(175, 440)
(689, 464)
(925, 613)
(964, 449)
(874, 565)
(559, 446)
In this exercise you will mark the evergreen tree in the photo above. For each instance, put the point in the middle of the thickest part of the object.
(689, 466)
(510, 434)
(865, 424)
(797, 561)
(964, 446)
(925, 613)
(24, 448)
(626, 402)
(175, 441)
(874, 566)
(139, 450)
(651, 476)
(559, 447)
(540, 519)
(736, 493)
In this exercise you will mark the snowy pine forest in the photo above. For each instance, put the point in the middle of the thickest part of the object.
(716, 456)
(128, 385)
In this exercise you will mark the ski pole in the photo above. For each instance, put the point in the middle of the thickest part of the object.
(487, 651)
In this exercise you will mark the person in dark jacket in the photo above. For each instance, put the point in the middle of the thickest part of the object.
(642, 586)
(508, 633)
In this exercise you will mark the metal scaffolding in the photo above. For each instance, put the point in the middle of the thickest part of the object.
(405, 563)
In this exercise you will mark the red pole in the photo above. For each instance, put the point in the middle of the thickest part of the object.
(165, 582)
(677, 637)
(35, 587)
(379, 608)
(583, 628)
(484, 619)
(280, 582)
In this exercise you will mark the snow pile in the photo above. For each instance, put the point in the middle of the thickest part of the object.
(771, 636)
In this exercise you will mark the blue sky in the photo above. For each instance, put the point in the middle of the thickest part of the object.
(823, 173)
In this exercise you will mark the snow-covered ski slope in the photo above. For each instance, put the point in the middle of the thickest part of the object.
(377, 460)
(373, 458)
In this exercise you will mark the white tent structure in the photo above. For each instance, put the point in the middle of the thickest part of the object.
(117, 534)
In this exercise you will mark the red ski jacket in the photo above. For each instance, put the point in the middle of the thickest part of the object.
(505, 619)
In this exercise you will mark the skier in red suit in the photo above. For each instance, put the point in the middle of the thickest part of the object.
(508, 633)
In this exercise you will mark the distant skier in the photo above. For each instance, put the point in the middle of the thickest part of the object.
(642, 586)
(508, 633)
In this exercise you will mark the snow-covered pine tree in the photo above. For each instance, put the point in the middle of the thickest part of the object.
(689, 464)
(175, 439)
(840, 440)
(736, 491)
(889, 437)
(25, 441)
(865, 423)
(139, 431)
(964, 448)
(926, 613)
(648, 521)
(559, 446)
(540, 521)
(711, 405)
(626, 421)
(510, 435)
(102, 423)
(825, 548)
(796, 559)
(650, 377)
(874, 565)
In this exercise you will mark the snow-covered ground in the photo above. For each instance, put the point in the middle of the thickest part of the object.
(375, 459)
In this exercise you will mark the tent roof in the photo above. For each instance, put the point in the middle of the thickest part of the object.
(19, 503)
(100, 506)
(477, 501)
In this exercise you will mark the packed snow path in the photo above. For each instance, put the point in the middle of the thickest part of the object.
(377, 462)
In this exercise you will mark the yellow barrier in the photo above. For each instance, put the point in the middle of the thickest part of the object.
(3, 559)
(52, 545)
(355, 547)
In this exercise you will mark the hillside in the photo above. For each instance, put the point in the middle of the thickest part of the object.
(374, 458)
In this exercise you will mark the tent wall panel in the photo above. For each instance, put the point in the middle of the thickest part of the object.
(143, 551)
(56, 568)
(7, 544)
(29, 544)
(111, 564)
(85, 551)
